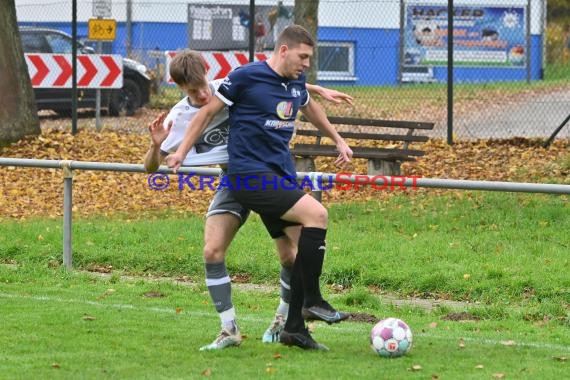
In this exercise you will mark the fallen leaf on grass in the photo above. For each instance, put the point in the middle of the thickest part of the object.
(499, 375)
(178, 310)
(88, 317)
(560, 358)
(416, 367)
(55, 365)
(207, 372)
(479, 366)
(461, 343)
(508, 343)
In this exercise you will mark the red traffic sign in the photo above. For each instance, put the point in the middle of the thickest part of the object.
(219, 64)
(93, 70)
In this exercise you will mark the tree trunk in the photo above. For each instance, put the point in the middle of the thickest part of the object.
(18, 113)
(307, 15)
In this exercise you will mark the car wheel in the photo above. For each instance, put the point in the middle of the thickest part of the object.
(125, 101)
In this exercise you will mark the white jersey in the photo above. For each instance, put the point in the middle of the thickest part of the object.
(211, 148)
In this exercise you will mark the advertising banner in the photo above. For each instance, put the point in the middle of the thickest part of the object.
(483, 36)
(214, 27)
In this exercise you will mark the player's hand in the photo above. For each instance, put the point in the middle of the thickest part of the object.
(174, 161)
(345, 154)
(157, 131)
(335, 96)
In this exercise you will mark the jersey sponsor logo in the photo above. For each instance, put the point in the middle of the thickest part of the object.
(285, 110)
(295, 93)
(278, 124)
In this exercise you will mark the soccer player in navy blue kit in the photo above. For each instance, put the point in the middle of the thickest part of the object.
(263, 100)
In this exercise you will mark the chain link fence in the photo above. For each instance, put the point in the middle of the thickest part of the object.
(509, 74)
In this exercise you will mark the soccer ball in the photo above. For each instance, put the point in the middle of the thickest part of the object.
(391, 337)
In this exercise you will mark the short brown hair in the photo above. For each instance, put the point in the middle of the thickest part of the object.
(293, 36)
(188, 68)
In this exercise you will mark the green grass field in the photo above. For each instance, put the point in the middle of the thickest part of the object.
(481, 278)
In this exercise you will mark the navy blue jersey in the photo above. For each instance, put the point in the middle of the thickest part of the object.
(262, 106)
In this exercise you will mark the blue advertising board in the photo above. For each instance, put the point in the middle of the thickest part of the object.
(483, 36)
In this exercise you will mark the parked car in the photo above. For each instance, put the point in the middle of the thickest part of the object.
(134, 94)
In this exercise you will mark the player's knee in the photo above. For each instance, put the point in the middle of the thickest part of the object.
(320, 217)
(213, 253)
(286, 250)
(289, 262)
(287, 256)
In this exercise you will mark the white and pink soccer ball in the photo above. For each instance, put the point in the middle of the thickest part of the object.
(391, 337)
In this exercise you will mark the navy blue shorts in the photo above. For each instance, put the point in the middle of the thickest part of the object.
(268, 194)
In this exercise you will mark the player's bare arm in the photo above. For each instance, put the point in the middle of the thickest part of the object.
(193, 132)
(317, 116)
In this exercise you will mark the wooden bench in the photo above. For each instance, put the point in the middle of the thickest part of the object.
(381, 160)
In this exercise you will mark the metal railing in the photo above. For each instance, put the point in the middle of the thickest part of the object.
(317, 179)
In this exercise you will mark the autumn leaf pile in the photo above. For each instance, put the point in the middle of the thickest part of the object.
(29, 192)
